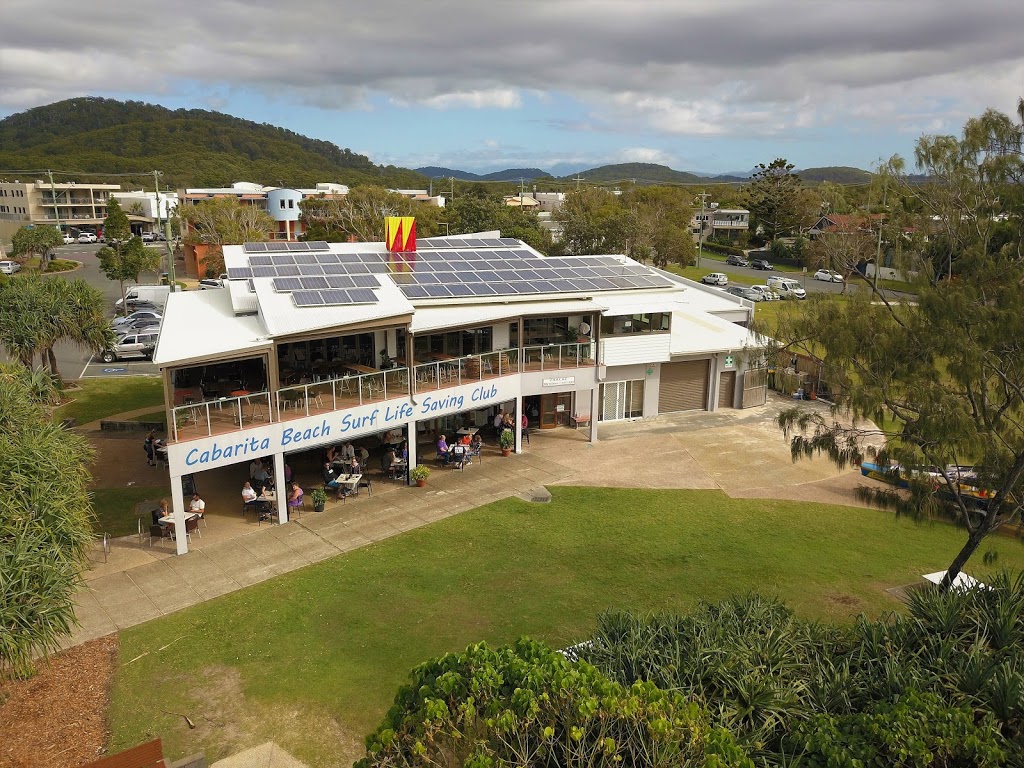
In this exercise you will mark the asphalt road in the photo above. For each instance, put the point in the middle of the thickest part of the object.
(806, 280)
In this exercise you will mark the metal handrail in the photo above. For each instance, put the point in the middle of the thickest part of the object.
(192, 411)
(553, 357)
(366, 387)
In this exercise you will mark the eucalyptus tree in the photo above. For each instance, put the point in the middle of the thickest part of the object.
(943, 376)
(125, 257)
(45, 523)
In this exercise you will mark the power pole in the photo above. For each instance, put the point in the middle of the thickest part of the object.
(453, 186)
(53, 194)
(521, 180)
(878, 248)
(167, 235)
(578, 179)
(700, 235)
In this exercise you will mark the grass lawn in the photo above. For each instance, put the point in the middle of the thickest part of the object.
(115, 507)
(312, 659)
(100, 398)
(696, 273)
(157, 415)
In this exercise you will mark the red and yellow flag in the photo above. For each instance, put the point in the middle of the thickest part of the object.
(400, 234)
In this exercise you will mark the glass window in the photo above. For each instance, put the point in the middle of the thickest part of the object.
(622, 325)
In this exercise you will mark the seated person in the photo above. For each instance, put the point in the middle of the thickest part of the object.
(477, 442)
(348, 451)
(389, 459)
(332, 454)
(403, 451)
(248, 494)
(250, 497)
(442, 449)
(330, 476)
(163, 510)
(363, 455)
(353, 466)
(295, 496)
(466, 439)
(260, 475)
(197, 506)
(457, 454)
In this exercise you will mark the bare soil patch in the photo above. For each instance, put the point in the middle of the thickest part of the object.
(58, 717)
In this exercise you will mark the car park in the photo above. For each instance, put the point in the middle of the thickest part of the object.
(69, 239)
(828, 276)
(744, 293)
(767, 294)
(142, 314)
(762, 264)
(9, 267)
(86, 237)
(132, 345)
(737, 261)
(209, 283)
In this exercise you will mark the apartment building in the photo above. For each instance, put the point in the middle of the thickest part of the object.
(70, 205)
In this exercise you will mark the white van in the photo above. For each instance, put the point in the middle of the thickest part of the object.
(786, 287)
(153, 294)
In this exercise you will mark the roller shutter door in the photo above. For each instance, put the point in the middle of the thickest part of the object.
(684, 386)
(727, 389)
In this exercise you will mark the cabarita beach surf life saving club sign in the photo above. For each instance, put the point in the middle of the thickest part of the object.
(313, 431)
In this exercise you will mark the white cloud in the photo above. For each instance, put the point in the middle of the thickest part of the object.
(655, 66)
(645, 155)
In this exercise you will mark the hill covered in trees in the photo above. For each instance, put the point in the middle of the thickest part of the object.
(509, 174)
(193, 147)
(837, 174)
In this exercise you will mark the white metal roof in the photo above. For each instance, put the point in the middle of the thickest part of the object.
(242, 299)
(282, 318)
(695, 332)
(202, 324)
(961, 583)
(429, 319)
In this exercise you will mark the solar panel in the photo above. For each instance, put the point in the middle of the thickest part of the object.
(260, 261)
(622, 282)
(307, 298)
(357, 269)
(563, 286)
(335, 297)
(278, 259)
(310, 269)
(287, 284)
(495, 243)
(584, 284)
(482, 289)
(474, 243)
(372, 257)
(414, 291)
(277, 247)
(349, 258)
(366, 281)
(255, 247)
(362, 296)
(426, 279)
(335, 269)
(460, 290)
(377, 269)
(314, 283)
(508, 241)
(264, 272)
(327, 258)
(437, 291)
(439, 242)
(305, 258)
(339, 282)
(298, 246)
(318, 245)
(488, 276)
(239, 273)
(456, 243)
(470, 277)
(603, 284)
(406, 278)
(287, 270)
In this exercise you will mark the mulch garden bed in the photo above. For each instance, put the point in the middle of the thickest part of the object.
(58, 717)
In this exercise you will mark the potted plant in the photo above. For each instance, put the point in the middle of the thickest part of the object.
(507, 442)
(420, 473)
(319, 498)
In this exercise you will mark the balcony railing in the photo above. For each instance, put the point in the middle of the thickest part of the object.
(554, 357)
(229, 414)
(342, 392)
(216, 417)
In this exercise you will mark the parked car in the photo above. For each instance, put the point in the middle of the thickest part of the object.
(68, 239)
(762, 264)
(715, 278)
(135, 305)
(132, 345)
(828, 276)
(210, 283)
(767, 294)
(745, 293)
(137, 326)
(737, 261)
(86, 237)
(147, 237)
(9, 267)
(142, 314)
(786, 287)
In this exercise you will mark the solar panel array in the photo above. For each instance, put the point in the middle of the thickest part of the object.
(442, 268)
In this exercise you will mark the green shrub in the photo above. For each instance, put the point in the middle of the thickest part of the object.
(61, 265)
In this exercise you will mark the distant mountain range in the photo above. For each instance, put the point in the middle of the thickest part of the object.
(646, 173)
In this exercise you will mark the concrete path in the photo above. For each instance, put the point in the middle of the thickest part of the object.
(740, 452)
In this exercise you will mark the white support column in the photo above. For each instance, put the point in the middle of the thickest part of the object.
(282, 489)
(518, 423)
(178, 510)
(410, 434)
(595, 409)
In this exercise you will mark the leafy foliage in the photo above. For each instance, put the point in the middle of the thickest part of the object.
(34, 241)
(45, 517)
(948, 370)
(224, 221)
(192, 147)
(773, 198)
(528, 705)
(125, 257)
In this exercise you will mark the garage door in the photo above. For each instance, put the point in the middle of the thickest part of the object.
(727, 389)
(684, 386)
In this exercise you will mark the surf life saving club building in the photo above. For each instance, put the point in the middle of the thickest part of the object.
(312, 344)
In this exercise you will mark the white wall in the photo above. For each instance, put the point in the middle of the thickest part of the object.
(636, 348)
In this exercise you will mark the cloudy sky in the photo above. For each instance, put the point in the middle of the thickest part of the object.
(559, 84)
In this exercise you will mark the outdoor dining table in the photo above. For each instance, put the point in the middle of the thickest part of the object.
(356, 367)
(169, 519)
(348, 482)
(441, 357)
(471, 431)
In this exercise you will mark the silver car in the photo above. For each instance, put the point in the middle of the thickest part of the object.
(132, 345)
